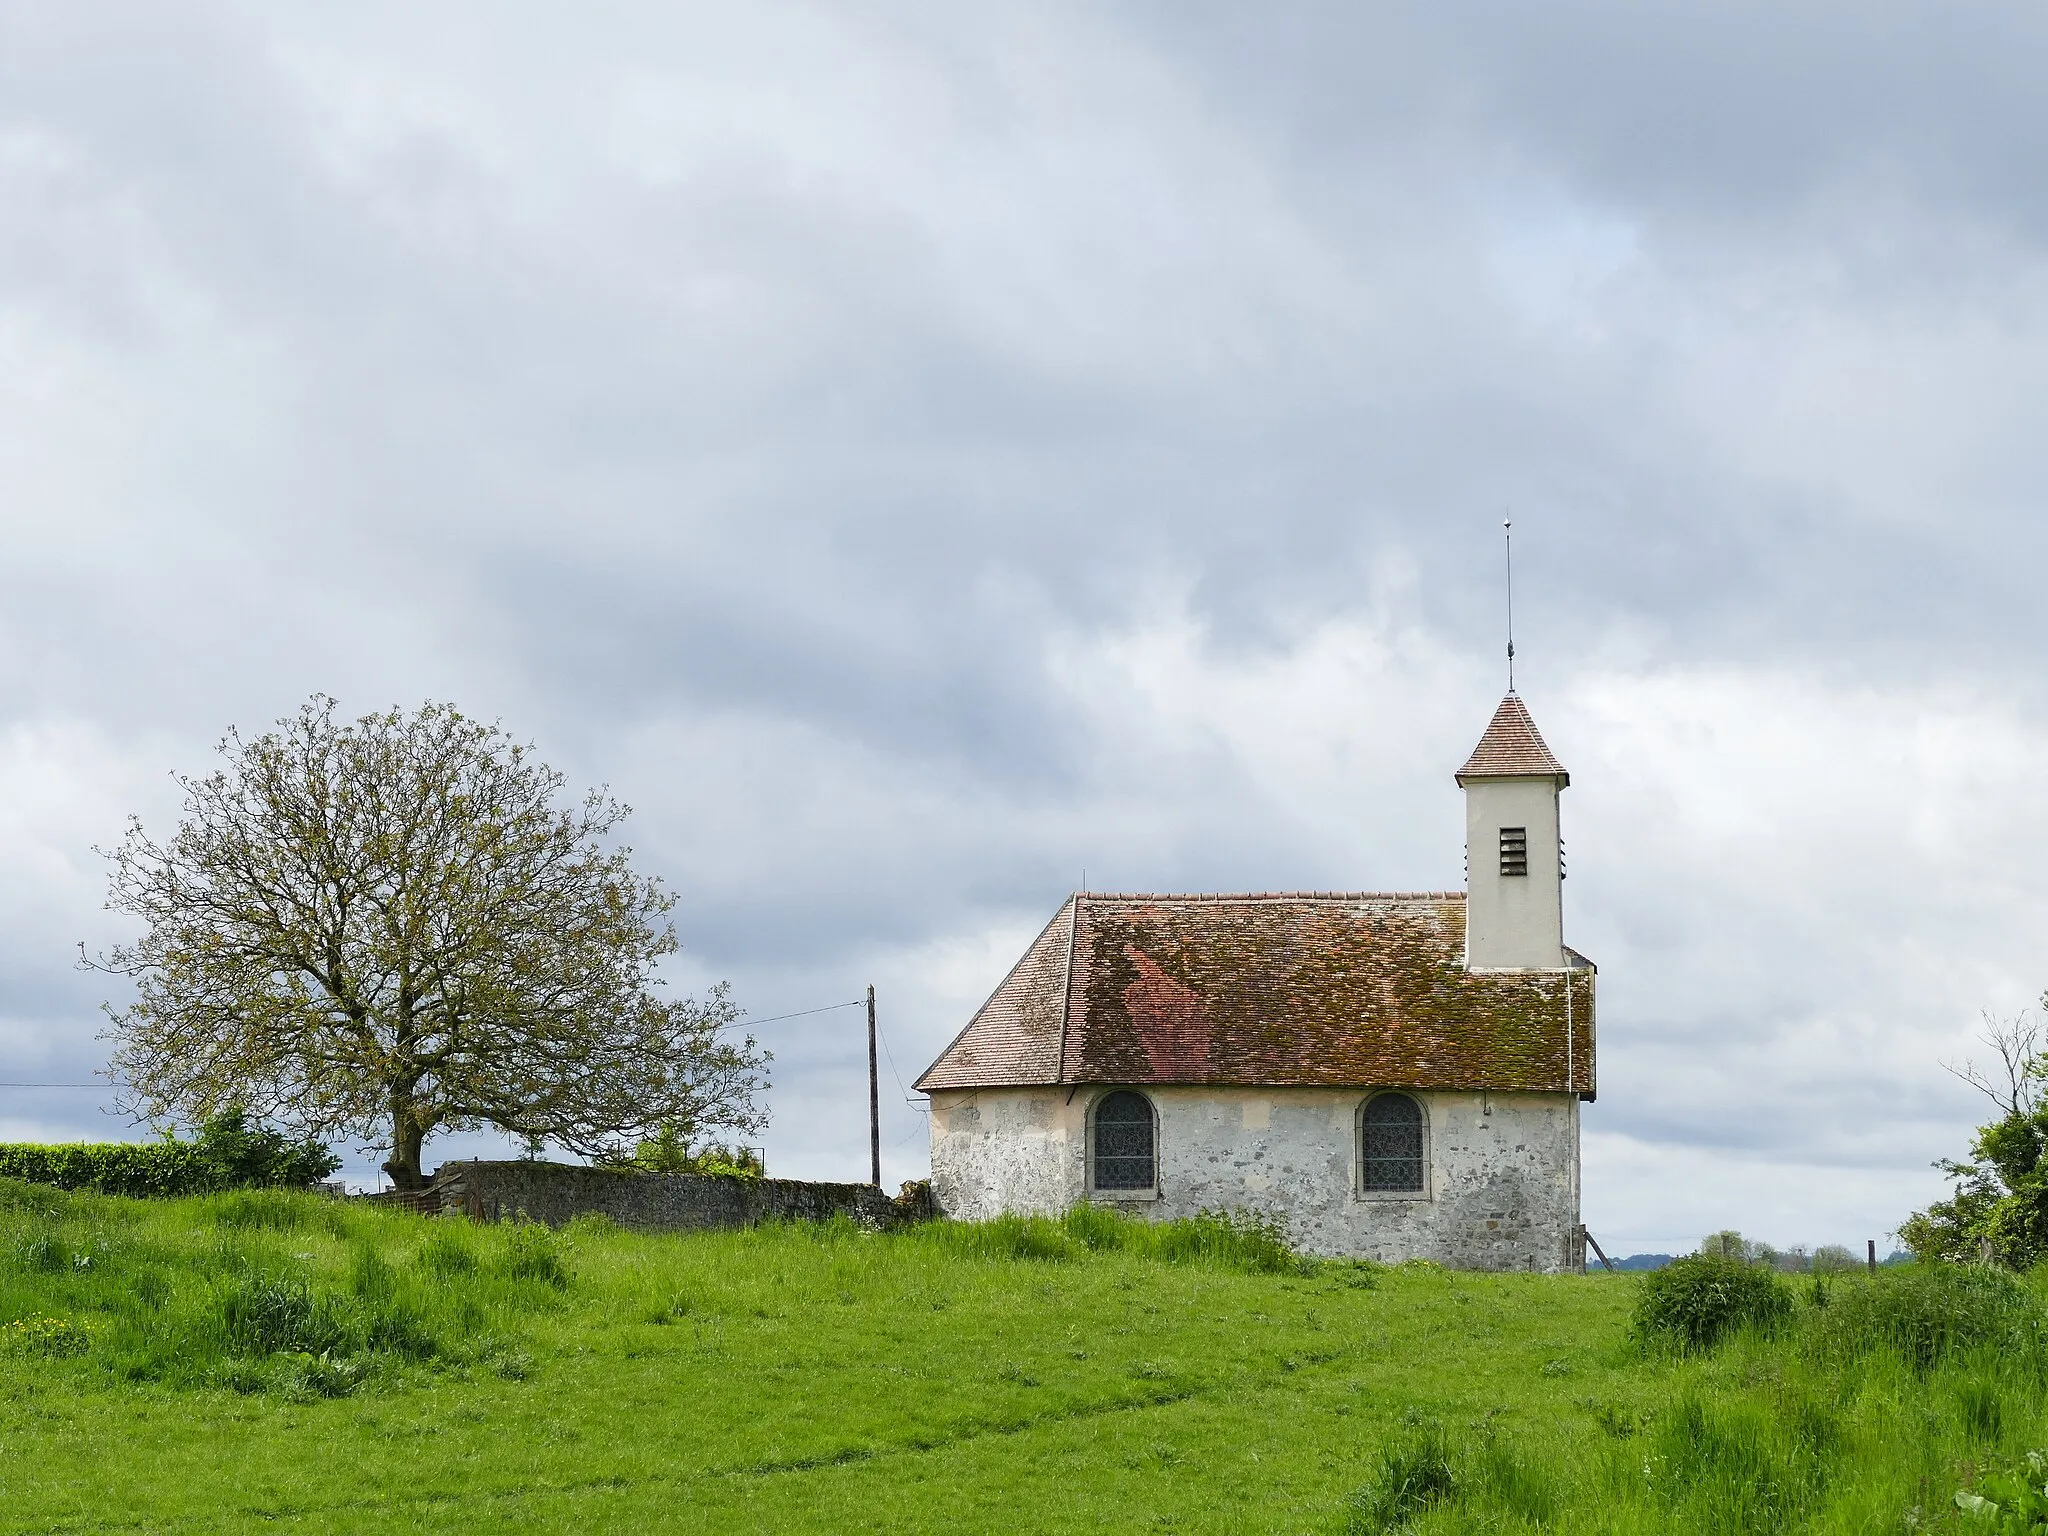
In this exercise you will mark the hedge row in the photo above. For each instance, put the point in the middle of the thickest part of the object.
(228, 1153)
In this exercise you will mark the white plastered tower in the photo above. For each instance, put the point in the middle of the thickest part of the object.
(1514, 854)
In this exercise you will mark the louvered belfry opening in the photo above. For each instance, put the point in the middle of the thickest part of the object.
(1125, 1142)
(1392, 1131)
(1514, 850)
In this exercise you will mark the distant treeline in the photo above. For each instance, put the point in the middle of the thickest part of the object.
(1796, 1260)
(228, 1153)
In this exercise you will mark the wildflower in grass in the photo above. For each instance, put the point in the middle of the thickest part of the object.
(45, 1336)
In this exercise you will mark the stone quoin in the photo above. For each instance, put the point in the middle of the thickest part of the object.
(1389, 1076)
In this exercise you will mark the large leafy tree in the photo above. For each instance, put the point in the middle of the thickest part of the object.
(1999, 1206)
(397, 925)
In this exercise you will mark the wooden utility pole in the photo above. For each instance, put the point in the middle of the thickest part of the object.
(874, 1097)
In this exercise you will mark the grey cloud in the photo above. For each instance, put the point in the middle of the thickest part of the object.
(806, 422)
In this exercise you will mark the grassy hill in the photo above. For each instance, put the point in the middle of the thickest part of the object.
(260, 1361)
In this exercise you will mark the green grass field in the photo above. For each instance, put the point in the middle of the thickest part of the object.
(264, 1361)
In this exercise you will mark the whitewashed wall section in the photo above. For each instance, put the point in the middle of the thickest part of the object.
(1503, 1178)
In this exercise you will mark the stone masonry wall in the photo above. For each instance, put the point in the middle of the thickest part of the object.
(1502, 1168)
(556, 1193)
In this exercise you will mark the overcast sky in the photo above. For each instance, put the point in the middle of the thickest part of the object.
(916, 454)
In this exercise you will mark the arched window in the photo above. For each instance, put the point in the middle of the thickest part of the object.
(1391, 1157)
(1126, 1143)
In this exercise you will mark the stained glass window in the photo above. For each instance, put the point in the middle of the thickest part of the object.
(1125, 1154)
(1392, 1128)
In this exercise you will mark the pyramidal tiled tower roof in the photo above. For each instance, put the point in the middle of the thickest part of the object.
(1512, 749)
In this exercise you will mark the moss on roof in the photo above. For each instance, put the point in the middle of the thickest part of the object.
(1276, 991)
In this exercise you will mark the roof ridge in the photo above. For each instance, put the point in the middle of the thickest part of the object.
(1215, 896)
(1072, 907)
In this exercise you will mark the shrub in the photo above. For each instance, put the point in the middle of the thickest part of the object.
(228, 1153)
(241, 1155)
(669, 1151)
(729, 1162)
(1834, 1259)
(1698, 1300)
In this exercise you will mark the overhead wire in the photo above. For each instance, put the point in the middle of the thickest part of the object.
(56, 1085)
(891, 1055)
(801, 1013)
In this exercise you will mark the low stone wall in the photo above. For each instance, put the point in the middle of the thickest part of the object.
(663, 1202)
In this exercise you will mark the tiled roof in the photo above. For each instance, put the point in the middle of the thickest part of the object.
(1276, 990)
(1016, 1036)
(1512, 749)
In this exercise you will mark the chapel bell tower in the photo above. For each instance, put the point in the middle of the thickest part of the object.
(1514, 857)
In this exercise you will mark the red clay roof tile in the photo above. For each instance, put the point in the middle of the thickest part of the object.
(1272, 990)
(1512, 749)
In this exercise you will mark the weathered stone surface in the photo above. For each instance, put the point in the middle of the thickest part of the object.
(1501, 1191)
(556, 1193)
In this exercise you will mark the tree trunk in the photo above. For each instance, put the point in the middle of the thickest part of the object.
(406, 1136)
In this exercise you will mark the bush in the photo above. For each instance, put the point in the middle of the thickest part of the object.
(1928, 1313)
(1834, 1259)
(1696, 1301)
(669, 1151)
(228, 1153)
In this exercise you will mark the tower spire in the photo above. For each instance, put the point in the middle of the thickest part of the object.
(1508, 532)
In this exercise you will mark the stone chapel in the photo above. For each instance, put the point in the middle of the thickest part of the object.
(1390, 1075)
